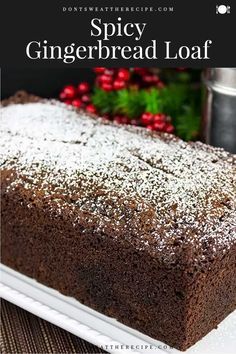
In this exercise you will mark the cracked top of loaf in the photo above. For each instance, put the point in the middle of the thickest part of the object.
(152, 191)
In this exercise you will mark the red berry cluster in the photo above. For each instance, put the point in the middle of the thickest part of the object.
(125, 120)
(144, 78)
(121, 119)
(158, 122)
(112, 79)
(120, 78)
(117, 79)
(78, 97)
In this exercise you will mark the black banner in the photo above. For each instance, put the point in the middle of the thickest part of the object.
(76, 33)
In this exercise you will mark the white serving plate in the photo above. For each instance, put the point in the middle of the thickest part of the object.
(98, 329)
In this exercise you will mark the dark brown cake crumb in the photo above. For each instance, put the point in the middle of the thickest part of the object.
(20, 97)
(141, 225)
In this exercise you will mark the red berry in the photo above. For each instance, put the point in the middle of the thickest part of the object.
(68, 102)
(159, 117)
(118, 119)
(91, 108)
(169, 128)
(118, 84)
(159, 126)
(148, 78)
(83, 87)
(77, 103)
(62, 96)
(124, 120)
(99, 70)
(106, 87)
(123, 74)
(106, 116)
(146, 118)
(105, 79)
(160, 84)
(134, 122)
(150, 127)
(140, 71)
(69, 91)
(109, 72)
(155, 79)
(97, 81)
(85, 98)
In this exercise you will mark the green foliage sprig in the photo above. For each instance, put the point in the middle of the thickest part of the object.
(179, 100)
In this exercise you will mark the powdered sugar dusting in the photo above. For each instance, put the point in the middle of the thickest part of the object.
(154, 191)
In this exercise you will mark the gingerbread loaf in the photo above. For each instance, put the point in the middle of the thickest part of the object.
(137, 225)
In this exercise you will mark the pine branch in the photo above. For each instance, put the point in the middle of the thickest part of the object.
(104, 101)
(129, 103)
(187, 124)
(152, 100)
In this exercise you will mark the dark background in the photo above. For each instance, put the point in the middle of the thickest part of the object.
(43, 82)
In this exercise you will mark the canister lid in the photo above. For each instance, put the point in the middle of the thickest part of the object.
(222, 80)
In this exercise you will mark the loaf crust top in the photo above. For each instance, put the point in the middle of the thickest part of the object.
(173, 199)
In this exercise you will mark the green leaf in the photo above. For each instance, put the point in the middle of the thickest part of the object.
(187, 124)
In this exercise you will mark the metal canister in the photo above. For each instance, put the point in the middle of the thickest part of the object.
(219, 114)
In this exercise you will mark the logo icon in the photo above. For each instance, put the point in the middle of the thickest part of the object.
(222, 9)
